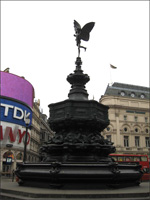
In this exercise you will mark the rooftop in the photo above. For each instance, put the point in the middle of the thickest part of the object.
(127, 90)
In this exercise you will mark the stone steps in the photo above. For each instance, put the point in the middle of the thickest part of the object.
(16, 195)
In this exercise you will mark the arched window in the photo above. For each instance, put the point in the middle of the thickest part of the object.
(8, 154)
(122, 93)
(136, 130)
(132, 94)
(108, 128)
(19, 156)
(125, 129)
(142, 96)
(146, 130)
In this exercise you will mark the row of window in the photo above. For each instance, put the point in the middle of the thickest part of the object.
(19, 156)
(32, 159)
(29, 157)
(136, 130)
(132, 94)
(136, 140)
(34, 146)
(136, 118)
(36, 123)
(126, 129)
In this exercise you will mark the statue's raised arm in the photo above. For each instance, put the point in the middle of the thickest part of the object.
(82, 33)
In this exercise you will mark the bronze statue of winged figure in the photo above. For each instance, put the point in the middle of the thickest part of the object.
(82, 33)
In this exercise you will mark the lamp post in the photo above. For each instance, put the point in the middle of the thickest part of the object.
(27, 122)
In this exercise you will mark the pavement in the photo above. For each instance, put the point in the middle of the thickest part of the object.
(12, 191)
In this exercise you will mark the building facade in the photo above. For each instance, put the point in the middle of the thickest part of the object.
(40, 132)
(129, 115)
(33, 152)
(46, 133)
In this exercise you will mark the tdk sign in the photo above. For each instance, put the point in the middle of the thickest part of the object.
(14, 112)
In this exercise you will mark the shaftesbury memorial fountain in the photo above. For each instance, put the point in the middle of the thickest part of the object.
(78, 154)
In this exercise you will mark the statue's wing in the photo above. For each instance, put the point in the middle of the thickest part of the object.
(77, 26)
(85, 31)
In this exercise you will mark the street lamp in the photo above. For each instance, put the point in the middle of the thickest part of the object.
(27, 122)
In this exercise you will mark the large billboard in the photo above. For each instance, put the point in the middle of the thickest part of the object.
(17, 88)
(16, 102)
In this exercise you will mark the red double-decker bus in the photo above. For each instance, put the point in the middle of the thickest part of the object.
(131, 158)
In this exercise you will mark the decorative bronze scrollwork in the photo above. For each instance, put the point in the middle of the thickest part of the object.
(55, 168)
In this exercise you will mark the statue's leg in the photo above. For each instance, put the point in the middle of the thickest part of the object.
(83, 47)
(78, 51)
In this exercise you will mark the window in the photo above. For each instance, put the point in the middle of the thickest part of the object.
(136, 158)
(108, 128)
(125, 129)
(115, 158)
(126, 141)
(19, 156)
(143, 158)
(132, 94)
(128, 158)
(108, 137)
(142, 96)
(8, 154)
(137, 141)
(135, 118)
(146, 119)
(125, 118)
(122, 93)
(42, 136)
(120, 158)
(136, 130)
(147, 141)
(146, 130)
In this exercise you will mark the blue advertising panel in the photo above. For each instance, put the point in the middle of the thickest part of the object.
(14, 112)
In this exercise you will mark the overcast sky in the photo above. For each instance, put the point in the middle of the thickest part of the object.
(37, 42)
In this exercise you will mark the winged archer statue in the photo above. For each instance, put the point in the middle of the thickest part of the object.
(82, 33)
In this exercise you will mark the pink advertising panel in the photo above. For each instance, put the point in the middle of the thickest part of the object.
(16, 87)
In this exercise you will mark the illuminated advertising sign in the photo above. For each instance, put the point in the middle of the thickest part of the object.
(13, 134)
(16, 87)
(14, 112)
(16, 103)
